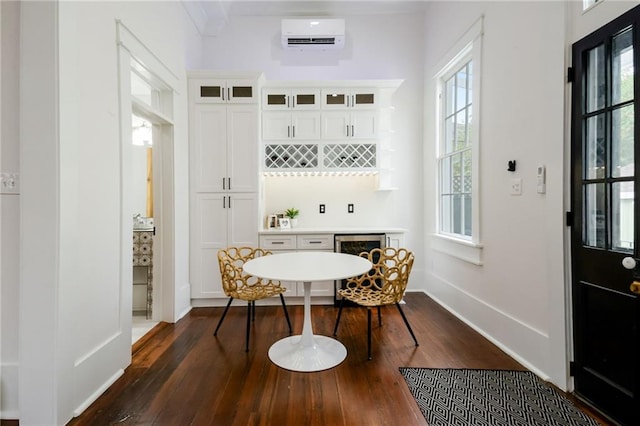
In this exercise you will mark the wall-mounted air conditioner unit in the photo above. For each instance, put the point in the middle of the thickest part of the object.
(312, 34)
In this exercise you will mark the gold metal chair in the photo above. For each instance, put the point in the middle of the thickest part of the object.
(383, 285)
(239, 285)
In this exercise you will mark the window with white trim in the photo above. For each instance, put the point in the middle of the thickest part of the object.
(458, 142)
(456, 153)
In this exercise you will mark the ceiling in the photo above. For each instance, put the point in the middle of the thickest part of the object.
(210, 16)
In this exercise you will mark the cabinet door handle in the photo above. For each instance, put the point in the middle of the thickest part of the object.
(277, 242)
(228, 94)
(288, 131)
(224, 202)
(347, 130)
(353, 131)
(229, 183)
(288, 97)
(293, 133)
(229, 201)
(348, 98)
(315, 242)
(223, 185)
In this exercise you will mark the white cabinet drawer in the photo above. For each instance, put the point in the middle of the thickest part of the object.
(278, 242)
(315, 242)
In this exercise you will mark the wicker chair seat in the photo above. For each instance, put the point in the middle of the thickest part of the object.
(367, 296)
(256, 292)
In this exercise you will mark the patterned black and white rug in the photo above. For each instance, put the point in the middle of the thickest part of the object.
(467, 397)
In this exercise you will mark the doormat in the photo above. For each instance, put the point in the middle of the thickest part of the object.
(489, 397)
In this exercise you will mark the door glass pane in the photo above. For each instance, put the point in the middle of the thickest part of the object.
(276, 99)
(210, 92)
(622, 67)
(305, 99)
(364, 99)
(622, 158)
(594, 215)
(622, 218)
(596, 86)
(335, 99)
(594, 150)
(242, 91)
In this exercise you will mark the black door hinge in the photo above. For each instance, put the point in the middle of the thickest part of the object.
(569, 218)
(571, 75)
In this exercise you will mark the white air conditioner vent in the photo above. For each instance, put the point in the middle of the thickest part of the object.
(312, 34)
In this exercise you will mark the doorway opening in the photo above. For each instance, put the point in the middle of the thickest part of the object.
(144, 229)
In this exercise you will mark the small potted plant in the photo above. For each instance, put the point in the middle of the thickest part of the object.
(292, 214)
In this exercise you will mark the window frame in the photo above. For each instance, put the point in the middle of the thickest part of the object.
(467, 49)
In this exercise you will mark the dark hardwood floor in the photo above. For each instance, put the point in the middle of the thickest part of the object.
(183, 375)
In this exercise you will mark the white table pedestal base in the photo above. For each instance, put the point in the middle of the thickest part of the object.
(290, 353)
(308, 351)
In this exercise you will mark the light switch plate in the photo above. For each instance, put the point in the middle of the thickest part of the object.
(516, 186)
(9, 183)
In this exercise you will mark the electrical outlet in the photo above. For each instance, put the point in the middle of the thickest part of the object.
(349, 208)
(9, 183)
(321, 208)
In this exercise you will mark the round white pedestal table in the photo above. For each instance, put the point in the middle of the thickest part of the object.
(307, 352)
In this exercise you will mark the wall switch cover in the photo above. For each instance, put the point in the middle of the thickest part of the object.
(349, 208)
(516, 186)
(322, 209)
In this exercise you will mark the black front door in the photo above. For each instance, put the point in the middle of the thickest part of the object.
(605, 155)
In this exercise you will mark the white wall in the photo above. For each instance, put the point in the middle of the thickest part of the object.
(9, 210)
(377, 48)
(518, 298)
(74, 316)
(514, 296)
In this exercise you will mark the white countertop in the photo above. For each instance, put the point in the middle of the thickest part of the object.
(333, 230)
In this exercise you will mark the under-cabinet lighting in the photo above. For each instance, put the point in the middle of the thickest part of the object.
(322, 173)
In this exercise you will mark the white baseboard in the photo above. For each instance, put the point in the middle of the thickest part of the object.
(87, 402)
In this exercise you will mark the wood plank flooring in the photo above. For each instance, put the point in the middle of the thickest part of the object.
(183, 375)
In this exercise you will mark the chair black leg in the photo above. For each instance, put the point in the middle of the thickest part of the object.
(248, 325)
(286, 314)
(253, 310)
(407, 324)
(369, 332)
(379, 317)
(335, 329)
(223, 315)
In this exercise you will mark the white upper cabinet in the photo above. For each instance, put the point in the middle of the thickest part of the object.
(224, 148)
(341, 98)
(290, 99)
(303, 125)
(340, 125)
(223, 91)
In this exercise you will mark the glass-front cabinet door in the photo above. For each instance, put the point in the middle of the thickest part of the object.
(340, 98)
(216, 91)
(293, 99)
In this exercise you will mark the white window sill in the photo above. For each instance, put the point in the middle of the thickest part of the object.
(462, 249)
